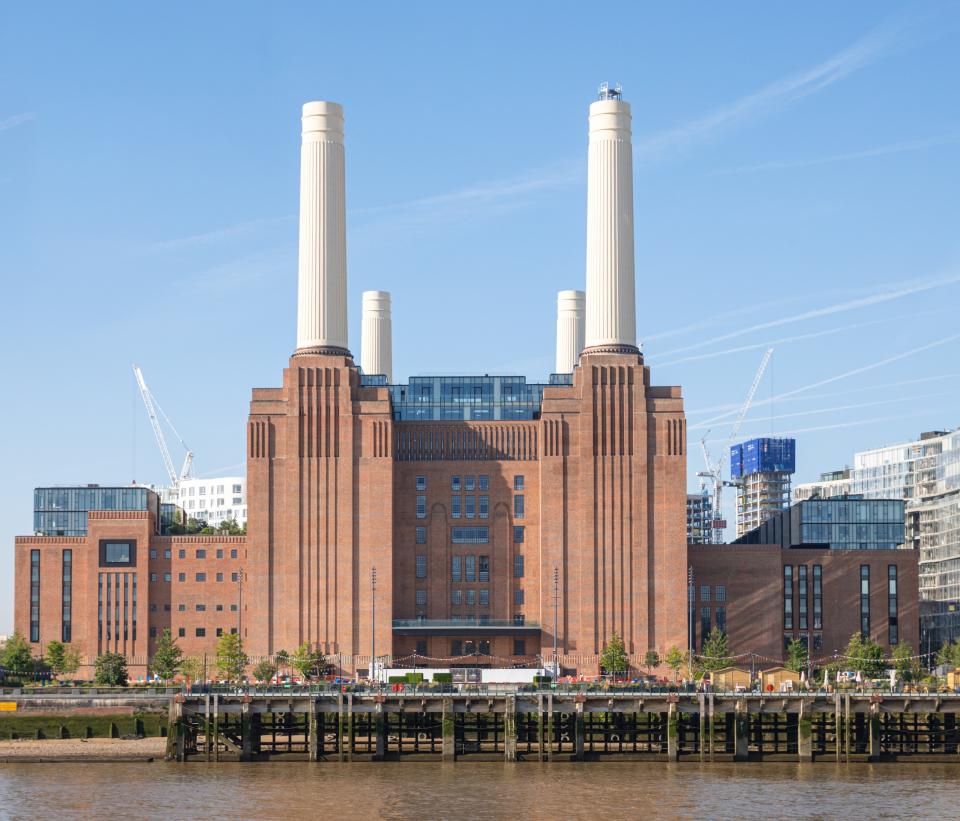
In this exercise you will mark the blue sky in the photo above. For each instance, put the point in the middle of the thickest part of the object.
(796, 185)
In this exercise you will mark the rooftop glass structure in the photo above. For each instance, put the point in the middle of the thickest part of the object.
(62, 511)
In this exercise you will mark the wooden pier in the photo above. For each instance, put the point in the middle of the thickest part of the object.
(563, 726)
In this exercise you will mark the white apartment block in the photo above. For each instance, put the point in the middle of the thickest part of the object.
(212, 500)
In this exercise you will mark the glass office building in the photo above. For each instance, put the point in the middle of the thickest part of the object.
(62, 511)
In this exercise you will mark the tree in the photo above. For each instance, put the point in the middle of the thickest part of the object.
(865, 656)
(308, 663)
(192, 668)
(907, 667)
(797, 656)
(264, 671)
(168, 656)
(614, 659)
(715, 654)
(281, 659)
(675, 659)
(651, 659)
(110, 669)
(17, 657)
(229, 527)
(231, 658)
(62, 658)
(949, 655)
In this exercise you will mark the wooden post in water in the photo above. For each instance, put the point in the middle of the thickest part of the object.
(741, 732)
(314, 740)
(702, 736)
(510, 729)
(341, 730)
(380, 730)
(541, 718)
(874, 717)
(673, 720)
(837, 721)
(578, 730)
(175, 731)
(550, 730)
(710, 725)
(206, 726)
(215, 740)
(805, 732)
(449, 751)
(246, 732)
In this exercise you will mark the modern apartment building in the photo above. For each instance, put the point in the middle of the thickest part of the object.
(700, 518)
(761, 469)
(834, 483)
(213, 501)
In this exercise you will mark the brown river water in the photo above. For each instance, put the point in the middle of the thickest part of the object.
(462, 791)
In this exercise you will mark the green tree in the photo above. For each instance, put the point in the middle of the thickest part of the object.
(797, 656)
(71, 661)
(715, 655)
(651, 659)
(865, 656)
(17, 657)
(56, 653)
(908, 668)
(308, 663)
(168, 656)
(949, 654)
(229, 527)
(675, 659)
(110, 669)
(282, 659)
(264, 671)
(192, 668)
(614, 659)
(231, 658)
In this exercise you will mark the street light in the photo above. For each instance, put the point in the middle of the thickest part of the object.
(556, 606)
(373, 621)
(690, 630)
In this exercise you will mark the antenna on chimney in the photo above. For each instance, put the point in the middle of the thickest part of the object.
(607, 93)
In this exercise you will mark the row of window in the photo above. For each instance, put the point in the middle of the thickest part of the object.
(470, 483)
(469, 647)
(802, 597)
(201, 553)
(705, 622)
(181, 608)
(467, 568)
(200, 632)
(116, 606)
(200, 577)
(470, 535)
(470, 507)
(202, 491)
(719, 592)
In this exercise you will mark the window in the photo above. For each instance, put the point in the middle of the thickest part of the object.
(219, 553)
(455, 507)
(470, 565)
(201, 554)
(704, 625)
(181, 608)
(181, 554)
(518, 596)
(471, 597)
(704, 592)
(484, 597)
(167, 577)
(470, 483)
(219, 577)
(201, 577)
(233, 608)
(893, 621)
(484, 569)
(201, 608)
(518, 505)
(864, 600)
(518, 619)
(421, 535)
(201, 632)
(817, 641)
(166, 553)
(802, 597)
(166, 607)
(153, 577)
(470, 506)
(788, 597)
(34, 595)
(483, 483)
(237, 500)
(181, 577)
(202, 491)
(117, 553)
(421, 598)
(455, 568)
(518, 566)
(518, 483)
(219, 608)
(153, 607)
(518, 534)
(421, 483)
(722, 619)
(471, 535)
(421, 647)
(421, 507)
(233, 553)
(421, 566)
(455, 483)
(233, 631)
(219, 632)
(817, 598)
(456, 596)
(519, 647)
(456, 647)
(181, 632)
(720, 592)
(234, 577)
(484, 507)
(153, 632)
(153, 554)
(238, 488)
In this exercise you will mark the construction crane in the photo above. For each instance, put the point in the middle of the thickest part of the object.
(152, 407)
(714, 471)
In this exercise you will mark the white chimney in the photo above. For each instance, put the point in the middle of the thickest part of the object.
(376, 334)
(322, 291)
(570, 310)
(611, 309)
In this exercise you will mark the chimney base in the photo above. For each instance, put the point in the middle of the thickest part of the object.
(613, 347)
(323, 350)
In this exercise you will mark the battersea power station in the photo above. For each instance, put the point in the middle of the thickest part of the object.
(448, 521)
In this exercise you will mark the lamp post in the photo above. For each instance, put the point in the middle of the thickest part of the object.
(373, 621)
(690, 630)
(556, 622)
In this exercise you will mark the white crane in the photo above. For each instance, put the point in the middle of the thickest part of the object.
(152, 407)
(714, 470)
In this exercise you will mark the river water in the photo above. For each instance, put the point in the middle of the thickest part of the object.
(468, 791)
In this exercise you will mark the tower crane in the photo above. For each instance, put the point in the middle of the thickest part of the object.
(152, 407)
(714, 471)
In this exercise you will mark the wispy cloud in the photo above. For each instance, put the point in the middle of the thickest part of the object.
(855, 423)
(898, 291)
(219, 234)
(17, 119)
(854, 57)
(880, 151)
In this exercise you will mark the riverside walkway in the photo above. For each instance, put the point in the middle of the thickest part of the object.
(562, 725)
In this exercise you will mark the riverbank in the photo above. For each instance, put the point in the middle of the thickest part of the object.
(57, 750)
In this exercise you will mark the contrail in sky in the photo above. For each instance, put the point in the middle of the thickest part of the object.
(16, 119)
(853, 424)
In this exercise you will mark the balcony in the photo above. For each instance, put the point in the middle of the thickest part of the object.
(464, 627)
